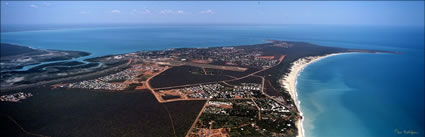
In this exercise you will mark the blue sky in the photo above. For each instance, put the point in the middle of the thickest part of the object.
(211, 12)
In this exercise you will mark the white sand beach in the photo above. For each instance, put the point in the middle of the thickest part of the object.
(289, 82)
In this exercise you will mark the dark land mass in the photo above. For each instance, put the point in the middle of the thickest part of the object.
(53, 73)
(183, 120)
(8, 127)
(83, 112)
(133, 86)
(250, 79)
(16, 57)
(183, 75)
(76, 112)
(271, 90)
(12, 50)
(231, 73)
(168, 97)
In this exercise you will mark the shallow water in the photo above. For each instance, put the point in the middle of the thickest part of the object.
(363, 95)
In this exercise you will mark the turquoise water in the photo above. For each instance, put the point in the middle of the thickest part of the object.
(363, 95)
(358, 95)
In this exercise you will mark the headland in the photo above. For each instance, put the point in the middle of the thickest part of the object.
(240, 88)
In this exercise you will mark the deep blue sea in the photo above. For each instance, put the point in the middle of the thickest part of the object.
(357, 95)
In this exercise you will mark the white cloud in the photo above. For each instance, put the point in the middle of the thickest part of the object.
(147, 11)
(180, 11)
(116, 11)
(171, 12)
(33, 6)
(84, 12)
(144, 11)
(40, 5)
(207, 12)
(166, 12)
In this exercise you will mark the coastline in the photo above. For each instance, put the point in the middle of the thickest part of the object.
(289, 82)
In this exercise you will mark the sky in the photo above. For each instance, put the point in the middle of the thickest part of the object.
(398, 13)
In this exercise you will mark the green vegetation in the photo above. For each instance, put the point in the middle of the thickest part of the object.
(224, 121)
(245, 131)
(144, 77)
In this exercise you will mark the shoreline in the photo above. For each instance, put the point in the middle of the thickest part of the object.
(289, 82)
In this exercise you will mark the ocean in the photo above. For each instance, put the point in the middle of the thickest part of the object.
(358, 95)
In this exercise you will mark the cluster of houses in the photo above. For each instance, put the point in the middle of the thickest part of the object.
(270, 106)
(97, 84)
(216, 110)
(229, 55)
(130, 73)
(15, 97)
(260, 62)
(204, 91)
(219, 103)
(108, 82)
(247, 86)
(115, 81)
(241, 57)
(246, 90)
(218, 107)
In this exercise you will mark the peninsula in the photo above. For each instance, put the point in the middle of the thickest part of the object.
(246, 90)
(16, 57)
